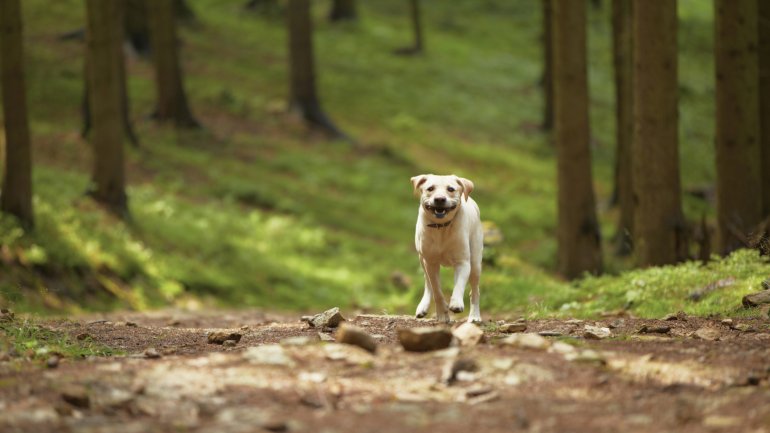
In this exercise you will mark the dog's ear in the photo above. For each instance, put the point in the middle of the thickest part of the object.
(466, 185)
(417, 181)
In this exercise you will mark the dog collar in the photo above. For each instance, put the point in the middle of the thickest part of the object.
(438, 226)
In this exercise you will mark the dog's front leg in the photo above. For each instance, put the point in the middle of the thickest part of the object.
(432, 274)
(462, 272)
(424, 305)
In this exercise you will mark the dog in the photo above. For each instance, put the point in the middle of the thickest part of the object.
(449, 233)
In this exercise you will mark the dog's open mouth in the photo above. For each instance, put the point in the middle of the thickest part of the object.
(439, 212)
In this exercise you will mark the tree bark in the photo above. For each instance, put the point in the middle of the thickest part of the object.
(16, 197)
(622, 48)
(547, 77)
(302, 90)
(739, 192)
(343, 10)
(579, 248)
(171, 97)
(104, 38)
(419, 45)
(764, 101)
(658, 221)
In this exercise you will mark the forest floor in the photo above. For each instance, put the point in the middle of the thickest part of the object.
(681, 374)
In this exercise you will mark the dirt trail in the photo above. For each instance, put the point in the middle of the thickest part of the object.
(655, 380)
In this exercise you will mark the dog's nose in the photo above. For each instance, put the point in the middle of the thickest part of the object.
(439, 200)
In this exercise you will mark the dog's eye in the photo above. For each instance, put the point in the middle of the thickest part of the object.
(450, 189)
(431, 188)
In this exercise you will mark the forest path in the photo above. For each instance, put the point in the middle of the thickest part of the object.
(683, 374)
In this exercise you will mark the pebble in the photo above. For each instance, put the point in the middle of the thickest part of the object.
(77, 396)
(574, 322)
(587, 356)
(326, 337)
(468, 334)
(511, 328)
(596, 332)
(727, 322)
(744, 327)
(550, 333)
(52, 362)
(229, 343)
(268, 354)
(526, 341)
(219, 337)
(330, 318)
(654, 329)
(708, 334)
(152, 353)
(356, 336)
(454, 367)
(424, 339)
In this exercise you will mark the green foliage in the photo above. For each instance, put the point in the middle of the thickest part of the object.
(254, 210)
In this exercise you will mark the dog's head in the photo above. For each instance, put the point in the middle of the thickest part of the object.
(440, 196)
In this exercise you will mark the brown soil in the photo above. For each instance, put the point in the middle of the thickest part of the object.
(631, 381)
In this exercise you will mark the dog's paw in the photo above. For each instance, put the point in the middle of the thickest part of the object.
(474, 318)
(420, 314)
(456, 306)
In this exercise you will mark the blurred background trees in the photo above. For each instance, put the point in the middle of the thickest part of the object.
(631, 93)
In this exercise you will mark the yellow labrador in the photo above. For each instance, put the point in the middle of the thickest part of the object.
(449, 233)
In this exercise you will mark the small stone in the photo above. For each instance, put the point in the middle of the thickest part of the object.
(219, 337)
(269, 354)
(478, 390)
(727, 322)
(756, 299)
(550, 333)
(131, 324)
(526, 341)
(77, 396)
(561, 348)
(52, 362)
(301, 340)
(511, 328)
(617, 323)
(708, 334)
(468, 334)
(244, 328)
(83, 336)
(454, 367)
(6, 315)
(152, 353)
(325, 337)
(744, 327)
(356, 336)
(229, 343)
(587, 356)
(574, 322)
(596, 332)
(174, 322)
(424, 339)
(330, 318)
(654, 329)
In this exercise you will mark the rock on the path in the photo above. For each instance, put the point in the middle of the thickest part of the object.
(269, 354)
(330, 318)
(596, 332)
(77, 396)
(424, 339)
(52, 362)
(356, 336)
(152, 353)
(708, 334)
(744, 327)
(756, 299)
(326, 337)
(219, 337)
(526, 341)
(654, 329)
(468, 334)
(229, 343)
(561, 348)
(587, 356)
(6, 315)
(454, 368)
(510, 328)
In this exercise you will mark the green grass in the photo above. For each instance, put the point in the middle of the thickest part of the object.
(29, 339)
(257, 211)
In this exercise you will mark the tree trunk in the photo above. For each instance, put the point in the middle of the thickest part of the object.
(302, 90)
(343, 10)
(137, 26)
(16, 197)
(578, 230)
(171, 98)
(658, 221)
(416, 26)
(739, 192)
(547, 77)
(105, 58)
(622, 29)
(764, 101)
